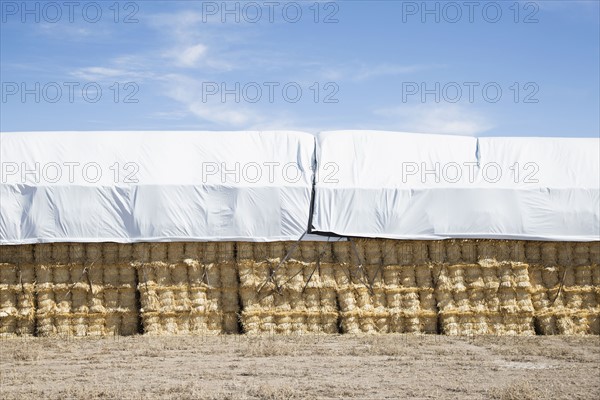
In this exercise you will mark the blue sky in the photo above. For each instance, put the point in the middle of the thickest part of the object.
(395, 65)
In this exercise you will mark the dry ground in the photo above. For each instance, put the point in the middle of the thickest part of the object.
(308, 367)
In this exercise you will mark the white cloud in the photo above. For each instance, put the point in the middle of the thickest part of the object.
(446, 119)
(71, 32)
(224, 114)
(376, 71)
(176, 22)
(188, 92)
(189, 56)
(192, 43)
(99, 74)
(357, 72)
(169, 115)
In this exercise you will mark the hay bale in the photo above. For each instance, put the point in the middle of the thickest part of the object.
(8, 299)
(347, 294)
(381, 290)
(84, 290)
(26, 299)
(294, 297)
(119, 290)
(16, 255)
(566, 297)
(42, 253)
(198, 297)
(154, 286)
(62, 295)
(480, 289)
(230, 303)
(80, 290)
(46, 304)
(8, 254)
(188, 288)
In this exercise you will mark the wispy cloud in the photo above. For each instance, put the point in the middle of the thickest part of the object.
(169, 115)
(101, 73)
(359, 72)
(105, 74)
(191, 42)
(71, 31)
(382, 70)
(190, 56)
(187, 92)
(450, 119)
(225, 114)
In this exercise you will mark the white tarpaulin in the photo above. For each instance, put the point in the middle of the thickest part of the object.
(154, 186)
(256, 186)
(417, 186)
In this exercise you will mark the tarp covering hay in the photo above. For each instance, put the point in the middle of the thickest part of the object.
(398, 185)
(292, 297)
(17, 296)
(483, 288)
(85, 290)
(182, 249)
(188, 288)
(565, 287)
(181, 188)
(385, 286)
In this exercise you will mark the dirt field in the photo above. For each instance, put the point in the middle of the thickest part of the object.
(308, 367)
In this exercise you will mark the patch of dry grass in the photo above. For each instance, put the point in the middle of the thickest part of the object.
(26, 354)
(518, 348)
(300, 367)
(521, 390)
(268, 349)
(187, 391)
(270, 392)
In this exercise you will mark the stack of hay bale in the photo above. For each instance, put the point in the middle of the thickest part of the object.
(17, 303)
(119, 289)
(188, 288)
(483, 287)
(385, 286)
(457, 287)
(84, 290)
(292, 297)
(566, 287)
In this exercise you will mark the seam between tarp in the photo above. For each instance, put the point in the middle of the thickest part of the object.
(477, 153)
